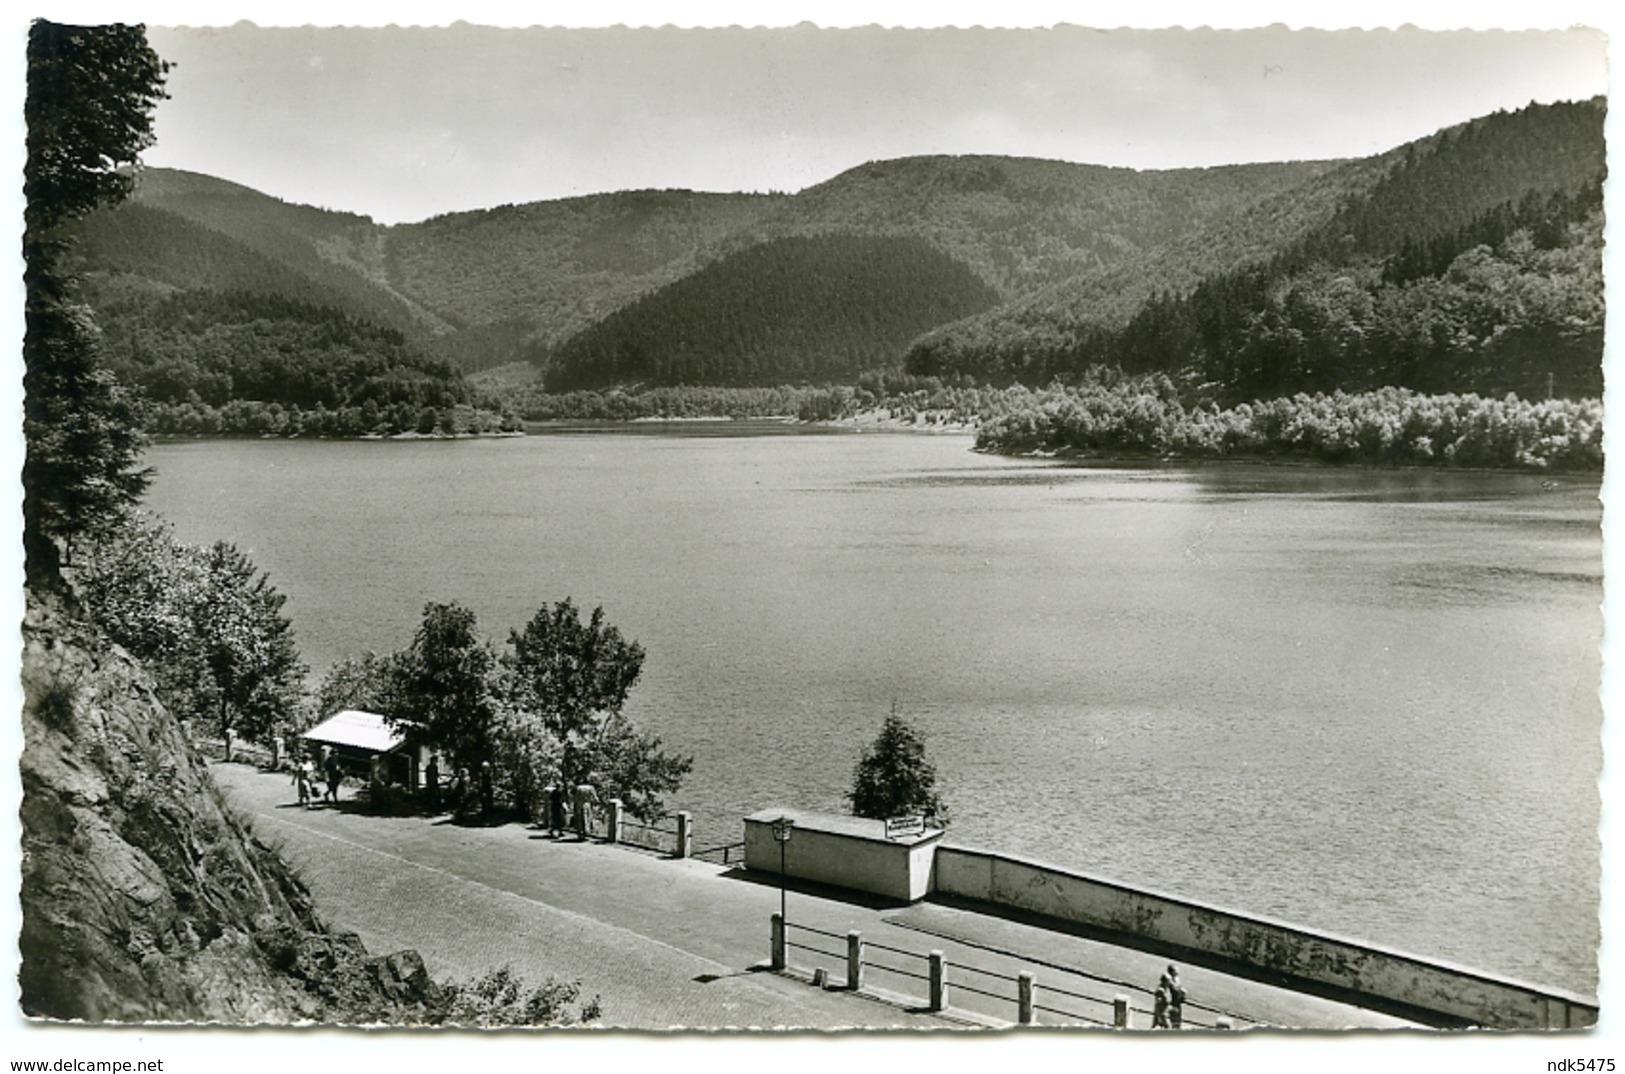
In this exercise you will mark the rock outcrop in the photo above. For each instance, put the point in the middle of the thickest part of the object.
(144, 897)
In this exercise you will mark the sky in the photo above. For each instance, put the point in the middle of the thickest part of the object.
(405, 123)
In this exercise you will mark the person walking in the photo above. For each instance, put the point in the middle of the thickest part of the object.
(431, 777)
(486, 792)
(555, 810)
(459, 795)
(1176, 997)
(304, 778)
(1159, 1004)
(585, 796)
(334, 773)
(376, 795)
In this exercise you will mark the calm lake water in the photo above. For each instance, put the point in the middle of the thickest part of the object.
(1362, 701)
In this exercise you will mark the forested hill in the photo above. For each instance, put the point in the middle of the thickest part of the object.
(546, 270)
(246, 327)
(181, 229)
(1469, 260)
(794, 310)
(198, 350)
(1022, 224)
(1214, 275)
(487, 287)
(556, 268)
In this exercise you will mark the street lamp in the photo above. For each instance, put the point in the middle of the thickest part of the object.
(781, 835)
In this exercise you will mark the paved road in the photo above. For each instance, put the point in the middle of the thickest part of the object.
(670, 944)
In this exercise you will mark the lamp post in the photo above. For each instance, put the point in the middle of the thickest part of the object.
(781, 835)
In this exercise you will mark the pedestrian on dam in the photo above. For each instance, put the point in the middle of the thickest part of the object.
(1176, 997)
(1159, 1004)
(304, 777)
(555, 810)
(585, 796)
(485, 792)
(431, 783)
(459, 794)
(330, 766)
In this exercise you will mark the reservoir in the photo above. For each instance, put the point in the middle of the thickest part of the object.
(1363, 701)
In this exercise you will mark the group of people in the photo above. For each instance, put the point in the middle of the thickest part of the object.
(583, 800)
(467, 795)
(307, 778)
(567, 809)
(1168, 1006)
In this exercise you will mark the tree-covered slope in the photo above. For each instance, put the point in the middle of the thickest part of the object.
(1475, 265)
(1087, 264)
(1514, 304)
(546, 270)
(1022, 224)
(1247, 303)
(1036, 335)
(208, 295)
(785, 311)
(554, 268)
(216, 346)
(335, 254)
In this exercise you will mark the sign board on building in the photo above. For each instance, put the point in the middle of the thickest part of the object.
(898, 827)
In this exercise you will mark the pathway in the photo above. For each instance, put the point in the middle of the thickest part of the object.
(670, 944)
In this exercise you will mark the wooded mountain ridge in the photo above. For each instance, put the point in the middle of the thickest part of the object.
(1057, 264)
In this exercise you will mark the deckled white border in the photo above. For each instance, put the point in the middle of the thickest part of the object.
(188, 1051)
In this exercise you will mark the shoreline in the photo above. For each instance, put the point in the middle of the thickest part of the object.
(873, 423)
(188, 438)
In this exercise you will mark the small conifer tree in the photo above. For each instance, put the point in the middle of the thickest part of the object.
(893, 778)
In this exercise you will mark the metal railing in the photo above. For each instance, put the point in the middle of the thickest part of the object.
(1019, 996)
(726, 854)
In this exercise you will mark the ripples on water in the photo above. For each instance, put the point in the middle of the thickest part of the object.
(1365, 701)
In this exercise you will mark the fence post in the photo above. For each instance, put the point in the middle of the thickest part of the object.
(276, 753)
(614, 833)
(1120, 1017)
(778, 941)
(1024, 998)
(685, 833)
(854, 960)
(939, 983)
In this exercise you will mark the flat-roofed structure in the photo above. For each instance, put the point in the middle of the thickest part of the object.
(357, 736)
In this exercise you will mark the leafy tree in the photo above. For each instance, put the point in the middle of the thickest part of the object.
(550, 710)
(445, 686)
(893, 778)
(206, 623)
(527, 760)
(247, 644)
(630, 765)
(570, 678)
(569, 674)
(91, 91)
(369, 682)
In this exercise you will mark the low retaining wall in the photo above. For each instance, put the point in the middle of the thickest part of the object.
(848, 852)
(1295, 952)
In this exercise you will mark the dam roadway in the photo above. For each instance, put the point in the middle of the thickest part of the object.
(670, 944)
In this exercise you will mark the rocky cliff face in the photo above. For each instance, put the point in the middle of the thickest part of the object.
(144, 898)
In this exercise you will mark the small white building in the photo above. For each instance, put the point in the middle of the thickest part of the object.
(357, 736)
